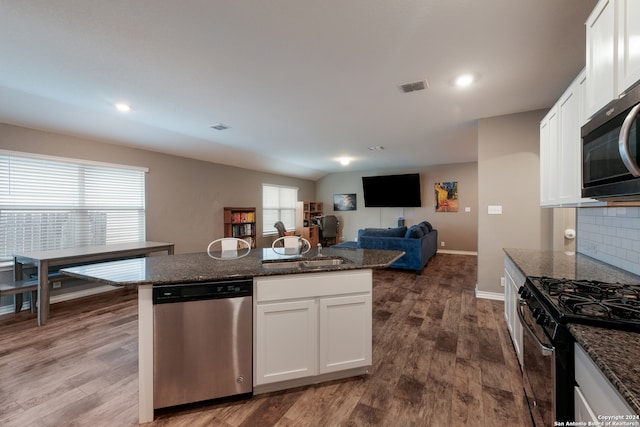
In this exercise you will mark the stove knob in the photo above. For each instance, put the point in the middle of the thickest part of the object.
(536, 313)
(525, 294)
(542, 319)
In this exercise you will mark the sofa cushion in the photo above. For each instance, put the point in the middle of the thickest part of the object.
(383, 232)
(414, 232)
(427, 225)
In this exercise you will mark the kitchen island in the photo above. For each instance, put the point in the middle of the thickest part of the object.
(277, 279)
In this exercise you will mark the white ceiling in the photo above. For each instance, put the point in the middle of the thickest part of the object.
(300, 82)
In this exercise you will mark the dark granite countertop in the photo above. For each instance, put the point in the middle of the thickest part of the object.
(200, 267)
(567, 265)
(616, 353)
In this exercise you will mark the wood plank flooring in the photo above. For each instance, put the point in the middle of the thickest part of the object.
(441, 357)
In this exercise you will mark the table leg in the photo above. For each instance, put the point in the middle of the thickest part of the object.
(43, 292)
(17, 275)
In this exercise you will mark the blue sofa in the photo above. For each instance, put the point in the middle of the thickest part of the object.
(419, 242)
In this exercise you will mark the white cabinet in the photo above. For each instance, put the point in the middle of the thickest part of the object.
(613, 51)
(628, 43)
(287, 340)
(514, 279)
(601, 56)
(560, 149)
(310, 325)
(549, 158)
(594, 395)
(345, 332)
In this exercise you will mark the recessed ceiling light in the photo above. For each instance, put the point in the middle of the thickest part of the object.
(344, 161)
(125, 108)
(464, 80)
(220, 126)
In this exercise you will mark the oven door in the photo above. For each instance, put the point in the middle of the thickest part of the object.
(538, 369)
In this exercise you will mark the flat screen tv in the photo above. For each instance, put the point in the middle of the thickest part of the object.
(392, 191)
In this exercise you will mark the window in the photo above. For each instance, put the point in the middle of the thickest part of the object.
(278, 204)
(53, 203)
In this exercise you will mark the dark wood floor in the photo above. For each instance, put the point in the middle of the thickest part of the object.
(441, 357)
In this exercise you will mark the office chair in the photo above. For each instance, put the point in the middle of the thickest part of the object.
(329, 229)
(282, 231)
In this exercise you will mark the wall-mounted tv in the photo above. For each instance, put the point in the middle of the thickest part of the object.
(392, 191)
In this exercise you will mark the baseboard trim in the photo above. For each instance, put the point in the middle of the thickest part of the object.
(7, 309)
(453, 252)
(489, 295)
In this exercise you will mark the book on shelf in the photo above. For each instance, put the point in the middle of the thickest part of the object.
(243, 217)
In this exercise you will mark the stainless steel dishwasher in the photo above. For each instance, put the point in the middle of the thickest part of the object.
(202, 341)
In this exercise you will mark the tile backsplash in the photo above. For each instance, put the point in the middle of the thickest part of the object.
(611, 235)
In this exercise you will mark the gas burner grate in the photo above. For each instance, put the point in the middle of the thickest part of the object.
(612, 308)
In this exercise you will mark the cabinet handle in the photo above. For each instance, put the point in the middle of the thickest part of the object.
(623, 142)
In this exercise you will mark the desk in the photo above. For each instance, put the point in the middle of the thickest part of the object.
(45, 259)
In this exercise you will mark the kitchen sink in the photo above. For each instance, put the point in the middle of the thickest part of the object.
(304, 263)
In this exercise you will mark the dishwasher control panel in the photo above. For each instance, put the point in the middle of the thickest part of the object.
(202, 291)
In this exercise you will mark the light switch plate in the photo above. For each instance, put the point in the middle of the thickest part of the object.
(495, 210)
(467, 209)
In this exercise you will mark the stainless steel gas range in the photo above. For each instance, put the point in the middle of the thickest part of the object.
(547, 306)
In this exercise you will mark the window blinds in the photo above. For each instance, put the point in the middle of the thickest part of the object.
(50, 203)
(278, 204)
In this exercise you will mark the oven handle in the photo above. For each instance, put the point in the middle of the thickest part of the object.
(623, 142)
(545, 350)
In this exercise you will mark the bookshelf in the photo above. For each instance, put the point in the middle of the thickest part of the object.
(240, 223)
(311, 232)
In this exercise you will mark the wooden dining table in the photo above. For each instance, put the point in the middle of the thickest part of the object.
(44, 260)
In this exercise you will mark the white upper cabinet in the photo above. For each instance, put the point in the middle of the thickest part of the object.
(628, 44)
(560, 149)
(601, 56)
(613, 51)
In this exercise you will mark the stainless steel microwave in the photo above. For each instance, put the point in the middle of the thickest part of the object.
(611, 151)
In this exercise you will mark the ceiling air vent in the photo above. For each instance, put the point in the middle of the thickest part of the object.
(219, 126)
(415, 86)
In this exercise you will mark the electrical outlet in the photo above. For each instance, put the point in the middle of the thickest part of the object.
(502, 281)
(57, 285)
(442, 244)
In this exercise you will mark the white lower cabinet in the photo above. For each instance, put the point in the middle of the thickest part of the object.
(345, 332)
(310, 325)
(286, 340)
(514, 279)
(594, 396)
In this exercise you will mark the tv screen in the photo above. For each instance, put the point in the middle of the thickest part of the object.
(392, 191)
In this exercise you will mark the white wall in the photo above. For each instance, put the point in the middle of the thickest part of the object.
(508, 176)
(184, 197)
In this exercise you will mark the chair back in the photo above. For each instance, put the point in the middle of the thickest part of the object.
(329, 226)
(282, 231)
(228, 248)
(291, 245)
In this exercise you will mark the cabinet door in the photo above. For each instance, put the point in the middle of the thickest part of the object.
(511, 314)
(628, 44)
(601, 56)
(286, 341)
(583, 412)
(345, 332)
(569, 181)
(549, 158)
